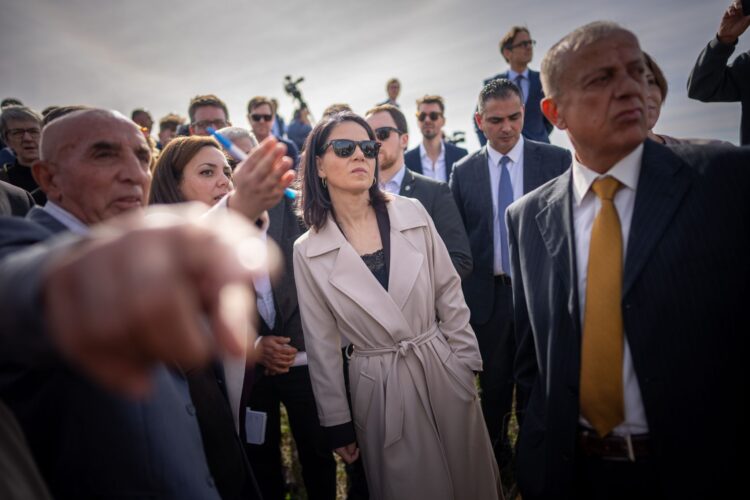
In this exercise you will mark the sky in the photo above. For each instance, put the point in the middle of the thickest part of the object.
(158, 54)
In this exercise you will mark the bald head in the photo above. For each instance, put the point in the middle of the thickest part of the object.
(94, 164)
(555, 63)
(67, 130)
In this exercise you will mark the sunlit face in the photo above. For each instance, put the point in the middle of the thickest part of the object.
(522, 51)
(102, 169)
(391, 154)
(208, 116)
(22, 137)
(207, 177)
(262, 126)
(354, 174)
(502, 122)
(654, 100)
(431, 129)
(602, 101)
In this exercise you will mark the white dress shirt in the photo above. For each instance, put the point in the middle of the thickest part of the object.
(434, 170)
(393, 186)
(515, 167)
(585, 207)
(512, 75)
(65, 218)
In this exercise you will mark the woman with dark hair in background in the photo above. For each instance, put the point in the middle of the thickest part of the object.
(372, 270)
(191, 168)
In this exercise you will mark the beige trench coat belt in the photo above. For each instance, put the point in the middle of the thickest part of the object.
(394, 398)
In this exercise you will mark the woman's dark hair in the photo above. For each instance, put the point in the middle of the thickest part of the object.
(314, 202)
(165, 187)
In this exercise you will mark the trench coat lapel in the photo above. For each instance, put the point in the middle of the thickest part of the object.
(406, 261)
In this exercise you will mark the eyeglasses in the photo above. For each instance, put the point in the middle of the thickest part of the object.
(434, 116)
(383, 133)
(204, 124)
(261, 118)
(18, 133)
(344, 148)
(525, 44)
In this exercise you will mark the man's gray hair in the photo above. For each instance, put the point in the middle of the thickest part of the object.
(554, 62)
(233, 133)
(18, 113)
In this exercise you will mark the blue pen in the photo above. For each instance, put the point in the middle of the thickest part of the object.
(240, 155)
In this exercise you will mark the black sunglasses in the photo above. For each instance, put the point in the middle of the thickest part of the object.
(383, 133)
(259, 118)
(434, 116)
(344, 148)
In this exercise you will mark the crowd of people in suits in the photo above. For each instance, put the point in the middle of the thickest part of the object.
(403, 305)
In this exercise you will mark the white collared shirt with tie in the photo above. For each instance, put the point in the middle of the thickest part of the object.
(585, 207)
(515, 167)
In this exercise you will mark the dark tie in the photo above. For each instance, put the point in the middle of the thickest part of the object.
(602, 345)
(504, 198)
(518, 80)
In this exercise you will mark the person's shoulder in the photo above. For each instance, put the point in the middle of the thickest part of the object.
(456, 149)
(550, 149)
(534, 201)
(706, 158)
(471, 159)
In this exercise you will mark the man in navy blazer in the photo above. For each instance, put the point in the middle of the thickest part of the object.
(677, 314)
(516, 48)
(476, 184)
(433, 158)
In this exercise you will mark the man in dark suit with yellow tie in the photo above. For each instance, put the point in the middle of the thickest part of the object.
(630, 283)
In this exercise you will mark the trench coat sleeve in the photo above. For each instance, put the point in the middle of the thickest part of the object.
(323, 346)
(450, 306)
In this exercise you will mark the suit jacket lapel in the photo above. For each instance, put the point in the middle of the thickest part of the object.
(406, 261)
(532, 166)
(555, 223)
(484, 189)
(407, 184)
(661, 187)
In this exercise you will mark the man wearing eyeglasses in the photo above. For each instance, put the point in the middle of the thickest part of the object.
(517, 48)
(391, 132)
(261, 115)
(434, 157)
(207, 111)
(21, 128)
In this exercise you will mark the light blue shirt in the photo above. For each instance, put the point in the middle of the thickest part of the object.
(67, 219)
(512, 75)
(393, 186)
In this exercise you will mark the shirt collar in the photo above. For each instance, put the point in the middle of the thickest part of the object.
(423, 151)
(512, 74)
(67, 219)
(396, 180)
(514, 154)
(626, 171)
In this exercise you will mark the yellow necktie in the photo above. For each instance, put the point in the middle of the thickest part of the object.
(601, 355)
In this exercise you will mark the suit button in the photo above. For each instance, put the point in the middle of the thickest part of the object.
(210, 482)
(407, 188)
(190, 409)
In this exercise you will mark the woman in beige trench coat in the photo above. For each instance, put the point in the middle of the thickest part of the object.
(373, 271)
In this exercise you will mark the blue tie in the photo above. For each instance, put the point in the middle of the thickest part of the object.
(504, 198)
(518, 81)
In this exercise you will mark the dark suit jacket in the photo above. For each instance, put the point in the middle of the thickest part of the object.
(88, 442)
(14, 200)
(437, 199)
(284, 229)
(685, 288)
(535, 125)
(452, 154)
(471, 189)
(712, 80)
